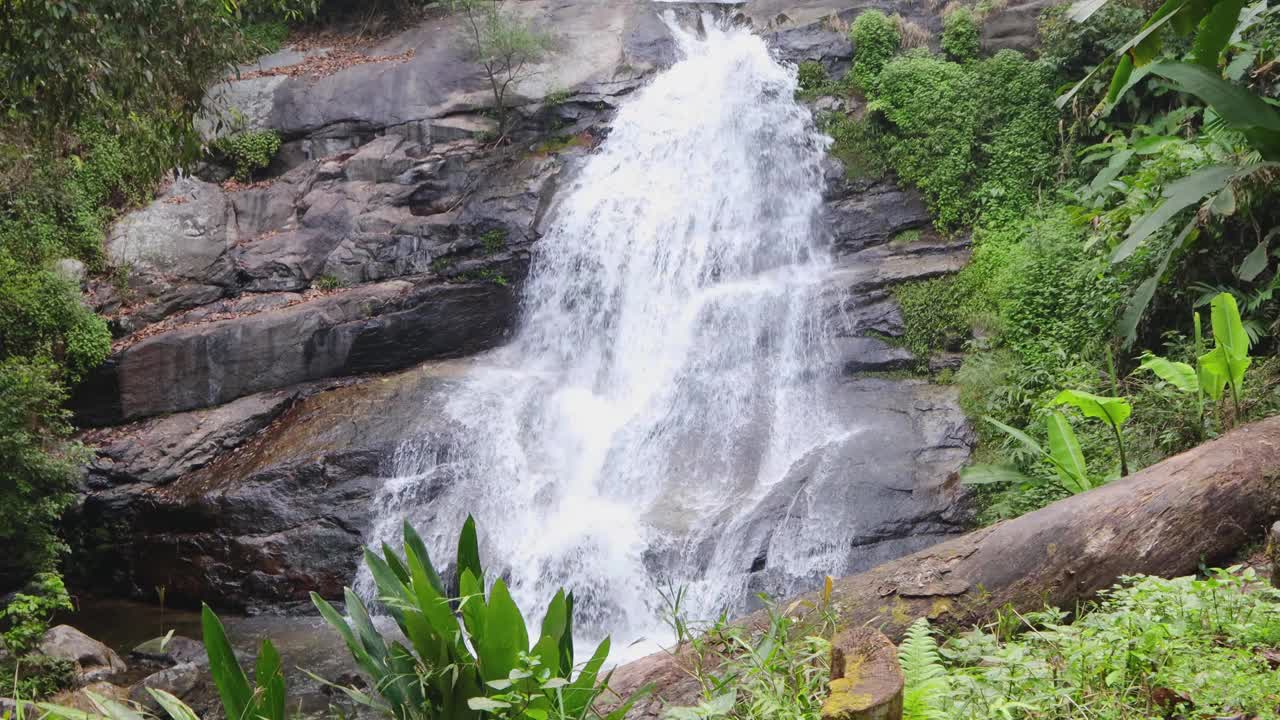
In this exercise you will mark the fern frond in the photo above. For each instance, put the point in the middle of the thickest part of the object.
(927, 686)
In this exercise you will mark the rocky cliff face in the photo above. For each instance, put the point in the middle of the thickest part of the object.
(278, 342)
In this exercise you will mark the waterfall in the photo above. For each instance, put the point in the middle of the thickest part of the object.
(662, 378)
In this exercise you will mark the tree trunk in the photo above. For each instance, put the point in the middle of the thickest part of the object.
(1200, 506)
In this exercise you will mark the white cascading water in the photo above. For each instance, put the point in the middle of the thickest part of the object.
(662, 376)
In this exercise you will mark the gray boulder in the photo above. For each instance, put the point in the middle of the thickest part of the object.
(93, 660)
(190, 682)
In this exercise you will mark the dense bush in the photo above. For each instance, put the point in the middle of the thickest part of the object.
(875, 40)
(960, 35)
(972, 138)
(250, 151)
(40, 468)
(1190, 647)
(27, 614)
(932, 107)
(1071, 49)
(858, 144)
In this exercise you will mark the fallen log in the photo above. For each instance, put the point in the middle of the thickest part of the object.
(1198, 507)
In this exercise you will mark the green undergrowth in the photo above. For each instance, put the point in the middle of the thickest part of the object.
(1048, 198)
(1150, 648)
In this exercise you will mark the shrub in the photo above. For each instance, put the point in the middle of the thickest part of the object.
(875, 40)
(857, 144)
(494, 241)
(1017, 122)
(1188, 647)
(41, 466)
(976, 139)
(457, 667)
(250, 151)
(960, 35)
(27, 614)
(811, 76)
(1071, 49)
(34, 677)
(933, 109)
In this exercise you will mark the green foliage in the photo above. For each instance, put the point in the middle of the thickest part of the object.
(61, 64)
(778, 674)
(1113, 411)
(505, 45)
(923, 672)
(1072, 48)
(932, 107)
(485, 664)
(327, 282)
(265, 698)
(1064, 455)
(972, 138)
(811, 76)
(35, 676)
(266, 36)
(960, 35)
(494, 241)
(41, 468)
(1151, 648)
(27, 614)
(875, 39)
(1226, 364)
(250, 151)
(857, 144)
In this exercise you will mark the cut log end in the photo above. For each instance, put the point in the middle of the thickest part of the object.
(866, 680)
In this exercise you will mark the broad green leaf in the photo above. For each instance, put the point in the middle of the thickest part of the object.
(112, 708)
(553, 628)
(1120, 80)
(413, 542)
(1177, 374)
(1179, 195)
(472, 600)
(369, 636)
(485, 704)
(1230, 337)
(505, 635)
(1215, 30)
(434, 606)
(1214, 371)
(1256, 261)
(1112, 410)
(991, 474)
(1238, 106)
(175, 708)
(1137, 307)
(582, 691)
(1154, 144)
(469, 551)
(1110, 172)
(233, 686)
(1082, 10)
(1224, 203)
(1145, 46)
(1027, 441)
(391, 590)
(393, 561)
(269, 679)
(1068, 458)
(1228, 331)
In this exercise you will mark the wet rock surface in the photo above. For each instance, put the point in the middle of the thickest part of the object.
(272, 338)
